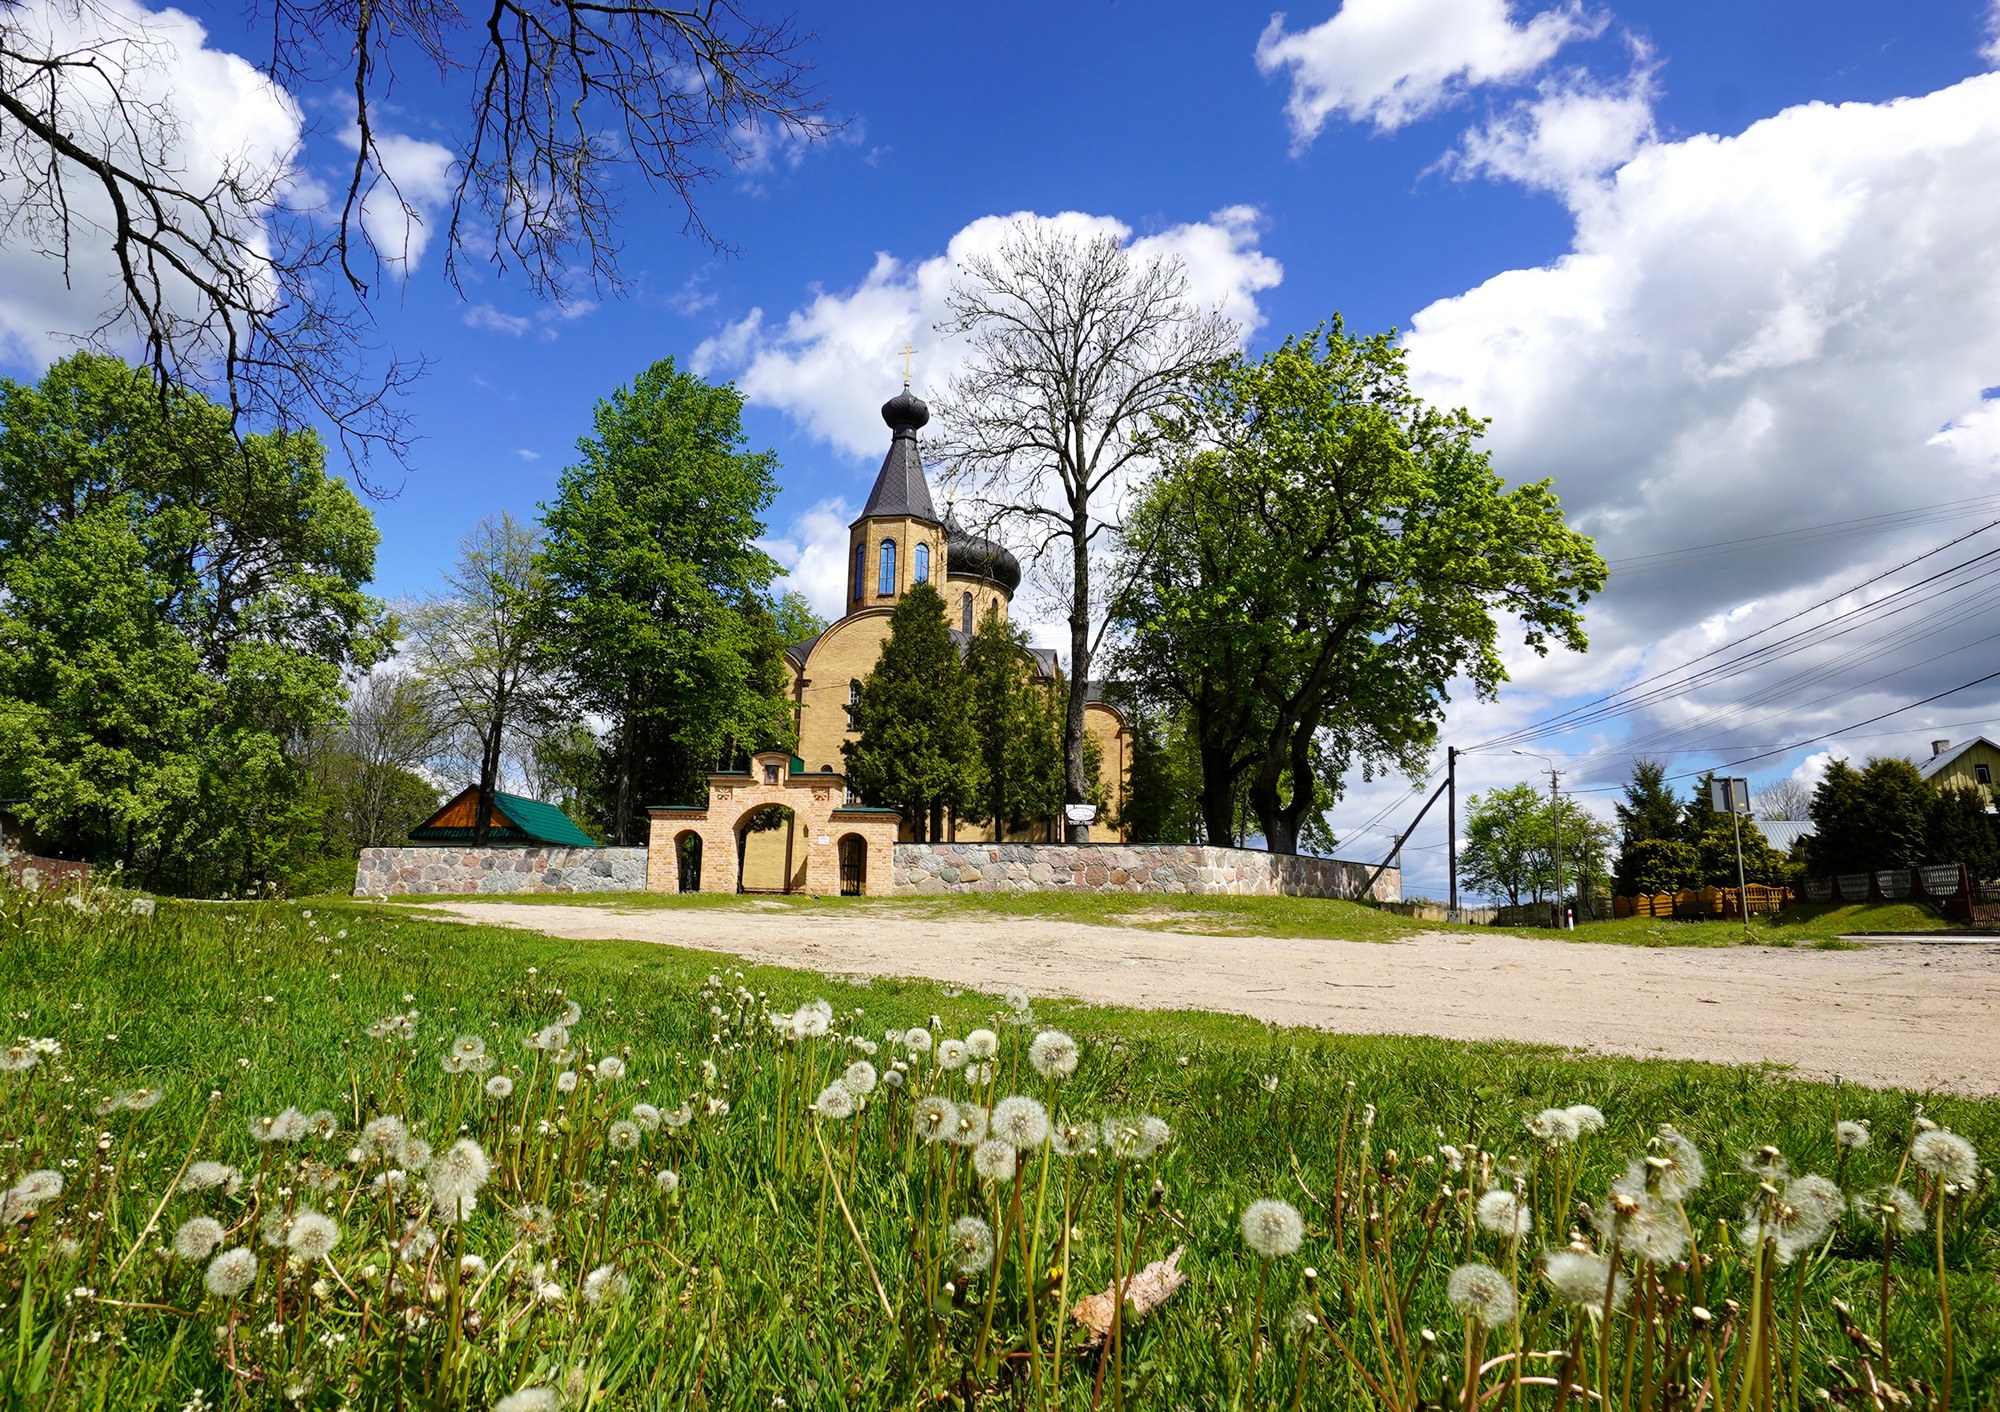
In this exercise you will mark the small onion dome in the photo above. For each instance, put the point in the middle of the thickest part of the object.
(905, 412)
(971, 556)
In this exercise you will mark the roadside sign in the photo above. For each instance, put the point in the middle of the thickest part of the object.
(1080, 813)
(1729, 796)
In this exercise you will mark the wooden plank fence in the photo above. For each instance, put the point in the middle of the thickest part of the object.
(1949, 886)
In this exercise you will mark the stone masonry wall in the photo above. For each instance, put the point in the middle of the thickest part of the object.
(397, 872)
(1130, 867)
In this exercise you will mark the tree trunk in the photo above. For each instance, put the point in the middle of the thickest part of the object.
(628, 770)
(489, 779)
(937, 821)
(1218, 798)
(1283, 820)
(1076, 777)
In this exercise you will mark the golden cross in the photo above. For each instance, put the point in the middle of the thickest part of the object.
(909, 352)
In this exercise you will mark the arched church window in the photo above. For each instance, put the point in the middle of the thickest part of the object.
(966, 609)
(920, 565)
(860, 571)
(887, 578)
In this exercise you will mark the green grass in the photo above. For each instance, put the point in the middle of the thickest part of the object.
(747, 1286)
(1312, 918)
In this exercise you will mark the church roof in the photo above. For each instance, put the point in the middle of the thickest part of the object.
(969, 555)
(900, 487)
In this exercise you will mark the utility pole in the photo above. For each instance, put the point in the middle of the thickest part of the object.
(1556, 822)
(1451, 817)
(1735, 794)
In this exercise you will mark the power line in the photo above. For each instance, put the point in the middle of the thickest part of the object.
(1806, 534)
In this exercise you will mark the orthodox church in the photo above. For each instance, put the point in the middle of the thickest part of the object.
(897, 542)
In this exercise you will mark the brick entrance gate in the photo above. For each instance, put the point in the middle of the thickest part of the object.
(824, 833)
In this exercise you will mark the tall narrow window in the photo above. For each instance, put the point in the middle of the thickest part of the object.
(887, 578)
(920, 566)
(860, 571)
(966, 609)
(853, 700)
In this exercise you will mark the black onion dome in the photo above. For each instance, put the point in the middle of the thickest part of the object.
(906, 412)
(972, 556)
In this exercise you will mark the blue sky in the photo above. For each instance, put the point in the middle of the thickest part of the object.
(1706, 303)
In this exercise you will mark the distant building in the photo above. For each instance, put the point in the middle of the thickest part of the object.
(1785, 834)
(514, 820)
(1974, 762)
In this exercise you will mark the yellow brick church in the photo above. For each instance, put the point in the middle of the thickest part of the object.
(897, 542)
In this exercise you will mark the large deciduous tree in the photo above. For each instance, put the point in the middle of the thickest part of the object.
(1076, 343)
(226, 275)
(653, 587)
(178, 611)
(1321, 556)
(1018, 724)
(917, 751)
(479, 653)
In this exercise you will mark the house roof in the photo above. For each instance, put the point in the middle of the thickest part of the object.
(1929, 768)
(1783, 834)
(525, 821)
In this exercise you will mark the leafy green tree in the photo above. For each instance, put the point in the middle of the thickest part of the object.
(1897, 803)
(653, 585)
(1321, 557)
(1961, 831)
(917, 751)
(1163, 793)
(1715, 854)
(1649, 811)
(1656, 865)
(1506, 853)
(1020, 777)
(179, 609)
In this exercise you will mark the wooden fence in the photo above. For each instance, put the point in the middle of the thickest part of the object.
(1699, 903)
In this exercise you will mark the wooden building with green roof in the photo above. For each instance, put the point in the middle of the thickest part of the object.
(514, 819)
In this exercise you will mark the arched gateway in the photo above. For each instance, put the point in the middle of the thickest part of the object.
(772, 828)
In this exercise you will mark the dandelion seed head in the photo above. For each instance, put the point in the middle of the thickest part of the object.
(646, 1116)
(384, 1136)
(1017, 999)
(456, 1178)
(533, 1223)
(1482, 1294)
(1154, 1133)
(1587, 1117)
(860, 1078)
(623, 1135)
(970, 1129)
(1073, 1137)
(39, 1187)
(1767, 1163)
(667, 1182)
(1053, 1054)
(197, 1239)
(468, 1046)
(1577, 1278)
(566, 1081)
(1020, 1122)
(982, 1044)
(323, 1125)
(606, 1282)
(312, 1236)
(994, 1160)
(499, 1088)
(835, 1101)
(1819, 1198)
(917, 1040)
(205, 1176)
(1945, 1155)
(1503, 1213)
(970, 1242)
(952, 1054)
(1892, 1206)
(231, 1272)
(529, 1399)
(1272, 1228)
(610, 1067)
(936, 1117)
(1851, 1135)
(1555, 1127)
(1645, 1227)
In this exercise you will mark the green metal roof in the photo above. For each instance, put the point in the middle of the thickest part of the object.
(542, 822)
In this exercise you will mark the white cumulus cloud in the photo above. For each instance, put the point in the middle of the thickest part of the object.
(830, 363)
(1389, 62)
(403, 201)
(813, 552)
(204, 113)
(1567, 137)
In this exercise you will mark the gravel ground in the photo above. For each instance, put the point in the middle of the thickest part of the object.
(1911, 1015)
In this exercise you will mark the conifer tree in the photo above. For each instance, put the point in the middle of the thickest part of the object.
(918, 752)
(1020, 733)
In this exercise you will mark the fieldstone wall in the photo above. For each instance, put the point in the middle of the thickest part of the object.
(398, 872)
(1131, 867)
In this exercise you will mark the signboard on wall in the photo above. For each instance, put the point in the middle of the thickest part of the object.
(1080, 813)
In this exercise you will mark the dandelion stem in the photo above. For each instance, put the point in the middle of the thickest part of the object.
(1944, 1303)
(859, 1243)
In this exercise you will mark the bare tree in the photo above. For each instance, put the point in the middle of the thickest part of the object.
(227, 287)
(476, 654)
(1785, 799)
(1075, 344)
(391, 732)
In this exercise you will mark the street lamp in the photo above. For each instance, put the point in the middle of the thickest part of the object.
(1555, 819)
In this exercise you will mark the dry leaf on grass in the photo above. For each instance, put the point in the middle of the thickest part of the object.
(1147, 1291)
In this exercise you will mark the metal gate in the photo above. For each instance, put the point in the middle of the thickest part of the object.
(853, 865)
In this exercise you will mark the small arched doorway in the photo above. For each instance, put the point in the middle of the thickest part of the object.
(853, 865)
(687, 855)
(770, 854)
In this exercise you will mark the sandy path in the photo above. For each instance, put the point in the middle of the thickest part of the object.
(1915, 1016)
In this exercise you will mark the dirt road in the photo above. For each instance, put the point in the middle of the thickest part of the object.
(1909, 1015)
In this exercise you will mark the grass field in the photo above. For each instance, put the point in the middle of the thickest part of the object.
(1814, 924)
(807, 1259)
